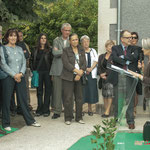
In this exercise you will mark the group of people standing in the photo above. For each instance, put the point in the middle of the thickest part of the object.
(62, 70)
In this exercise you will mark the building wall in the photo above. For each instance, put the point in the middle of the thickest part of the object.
(134, 17)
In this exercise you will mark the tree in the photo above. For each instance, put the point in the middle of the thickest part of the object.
(82, 15)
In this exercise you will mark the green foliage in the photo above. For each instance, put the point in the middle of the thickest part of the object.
(82, 15)
(19, 9)
(107, 133)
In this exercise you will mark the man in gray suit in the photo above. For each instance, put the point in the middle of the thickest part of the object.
(58, 44)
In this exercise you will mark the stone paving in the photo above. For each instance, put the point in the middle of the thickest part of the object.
(54, 134)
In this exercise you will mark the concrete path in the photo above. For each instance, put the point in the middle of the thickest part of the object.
(54, 134)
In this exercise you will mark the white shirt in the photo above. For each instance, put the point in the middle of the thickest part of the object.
(94, 58)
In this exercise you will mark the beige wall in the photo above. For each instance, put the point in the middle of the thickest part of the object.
(106, 16)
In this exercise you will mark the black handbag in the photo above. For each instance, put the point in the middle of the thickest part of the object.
(84, 79)
(100, 83)
(146, 131)
(3, 74)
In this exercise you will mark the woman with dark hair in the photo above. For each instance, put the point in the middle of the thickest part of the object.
(15, 67)
(74, 65)
(41, 60)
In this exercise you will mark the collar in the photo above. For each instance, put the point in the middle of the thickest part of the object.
(64, 39)
(123, 47)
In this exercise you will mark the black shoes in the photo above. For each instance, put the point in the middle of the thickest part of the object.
(46, 114)
(105, 116)
(13, 113)
(90, 113)
(55, 116)
(38, 114)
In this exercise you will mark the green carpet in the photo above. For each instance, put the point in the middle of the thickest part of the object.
(7, 132)
(122, 141)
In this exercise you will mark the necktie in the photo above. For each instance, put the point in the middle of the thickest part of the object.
(125, 52)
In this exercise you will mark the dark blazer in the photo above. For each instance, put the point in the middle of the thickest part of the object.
(111, 75)
(132, 56)
(68, 59)
(146, 81)
(47, 56)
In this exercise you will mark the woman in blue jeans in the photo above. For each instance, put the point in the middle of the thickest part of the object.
(41, 60)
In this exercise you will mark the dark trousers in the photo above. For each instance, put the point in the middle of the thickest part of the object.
(125, 92)
(8, 85)
(71, 88)
(44, 79)
(0, 96)
(13, 106)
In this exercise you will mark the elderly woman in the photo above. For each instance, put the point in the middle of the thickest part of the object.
(74, 65)
(145, 78)
(103, 72)
(15, 67)
(90, 92)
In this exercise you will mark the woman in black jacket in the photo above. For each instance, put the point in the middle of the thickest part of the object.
(104, 73)
(41, 60)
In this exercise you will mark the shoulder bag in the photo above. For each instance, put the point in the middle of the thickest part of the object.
(35, 75)
(3, 74)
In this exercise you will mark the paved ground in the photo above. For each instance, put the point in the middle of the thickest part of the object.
(54, 134)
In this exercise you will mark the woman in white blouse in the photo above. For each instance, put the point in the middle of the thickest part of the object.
(90, 92)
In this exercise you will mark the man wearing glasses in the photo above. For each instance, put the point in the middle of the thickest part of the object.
(124, 56)
(59, 44)
(134, 42)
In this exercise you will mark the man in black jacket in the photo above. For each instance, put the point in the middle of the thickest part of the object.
(125, 56)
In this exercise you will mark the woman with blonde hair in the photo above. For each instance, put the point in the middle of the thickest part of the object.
(103, 72)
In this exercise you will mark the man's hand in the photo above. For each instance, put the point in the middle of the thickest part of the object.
(55, 48)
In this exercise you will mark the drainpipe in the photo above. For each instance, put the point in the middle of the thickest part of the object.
(118, 21)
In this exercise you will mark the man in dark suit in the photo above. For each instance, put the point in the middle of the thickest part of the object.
(124, 56)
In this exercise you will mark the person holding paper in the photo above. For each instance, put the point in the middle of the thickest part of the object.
(124, 56)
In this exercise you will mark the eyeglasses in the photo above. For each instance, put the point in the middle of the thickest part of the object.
(127, 37)
(67, 30)
(134, 38)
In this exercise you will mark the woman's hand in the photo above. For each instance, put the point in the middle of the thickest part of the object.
(134, 73)
(17, 77)
(80, 72)
(77, 78)
(88, 70)
(141, 65)
(103, 76)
